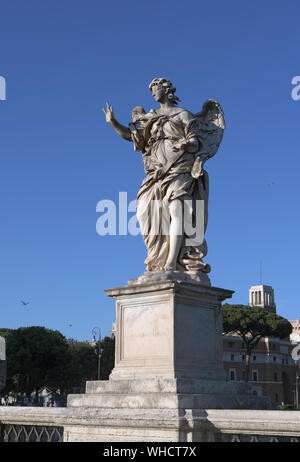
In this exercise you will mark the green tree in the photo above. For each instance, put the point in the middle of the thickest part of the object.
(4, 332)
(84, 361)
(36, 356)
(107, 357)
(83, 364)
(252, 323)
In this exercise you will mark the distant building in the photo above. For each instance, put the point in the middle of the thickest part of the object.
(272, 369)
(262, 296)
(295, 335)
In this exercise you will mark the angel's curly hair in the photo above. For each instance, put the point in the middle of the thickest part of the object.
(167, 85)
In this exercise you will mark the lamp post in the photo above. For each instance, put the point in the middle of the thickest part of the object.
(98, 350)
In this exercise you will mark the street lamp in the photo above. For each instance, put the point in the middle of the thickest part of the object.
(98, 349)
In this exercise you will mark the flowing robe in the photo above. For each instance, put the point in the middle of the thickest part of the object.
(155, 135)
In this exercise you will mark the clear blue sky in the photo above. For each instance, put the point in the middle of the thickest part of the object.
(62, 60)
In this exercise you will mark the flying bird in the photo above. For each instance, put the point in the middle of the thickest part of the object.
(24, 303)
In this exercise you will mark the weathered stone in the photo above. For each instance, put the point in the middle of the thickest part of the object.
(168, 364)
(131, 425)
(168, 329)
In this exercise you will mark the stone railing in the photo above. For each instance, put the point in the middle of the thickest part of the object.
(61, 424)
(34, 424)
(255, 426)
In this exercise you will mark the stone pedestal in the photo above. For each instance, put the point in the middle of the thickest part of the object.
(168, 359)
(168, 329)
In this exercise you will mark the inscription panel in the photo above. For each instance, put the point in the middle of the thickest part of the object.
(146, 331)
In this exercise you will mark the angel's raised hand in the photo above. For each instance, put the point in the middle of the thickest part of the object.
(109, 113)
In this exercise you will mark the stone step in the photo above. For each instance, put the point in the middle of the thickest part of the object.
(164, 385)
(157, 400)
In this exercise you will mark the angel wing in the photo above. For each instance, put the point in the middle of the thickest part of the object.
(209, 124)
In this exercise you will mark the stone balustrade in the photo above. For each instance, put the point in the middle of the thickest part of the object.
(56, 424)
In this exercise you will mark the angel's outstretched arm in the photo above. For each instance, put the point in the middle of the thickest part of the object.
(120, 129)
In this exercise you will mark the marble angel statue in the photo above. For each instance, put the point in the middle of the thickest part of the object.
(175, 144)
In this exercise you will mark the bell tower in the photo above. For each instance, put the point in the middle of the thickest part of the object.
(262, 296)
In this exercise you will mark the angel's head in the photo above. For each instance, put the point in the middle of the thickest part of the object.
(162, 90)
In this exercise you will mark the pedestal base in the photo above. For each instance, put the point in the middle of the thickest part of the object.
(168, 364)
(156, 410)
(167, 394)
(170, 329)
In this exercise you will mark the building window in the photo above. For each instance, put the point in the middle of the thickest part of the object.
(232, 357)
(276, 398)
(275, 377)
(254, 358)
(232, 374)
(230, 344)
(254, 376)
(274, 359)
